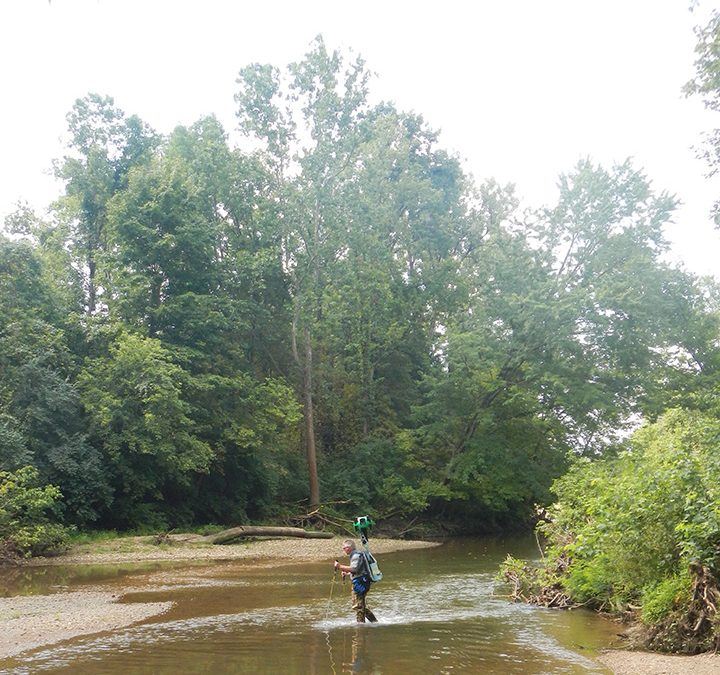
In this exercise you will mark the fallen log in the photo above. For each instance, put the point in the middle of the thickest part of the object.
(261, 531)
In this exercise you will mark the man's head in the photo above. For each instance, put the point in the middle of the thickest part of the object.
(348, 546)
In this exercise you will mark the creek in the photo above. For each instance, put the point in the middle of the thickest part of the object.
(439, 611)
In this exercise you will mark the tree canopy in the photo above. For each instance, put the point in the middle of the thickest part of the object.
(204, 332)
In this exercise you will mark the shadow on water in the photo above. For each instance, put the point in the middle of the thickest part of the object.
(437, 608)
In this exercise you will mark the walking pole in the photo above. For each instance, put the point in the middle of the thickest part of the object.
(332, 588)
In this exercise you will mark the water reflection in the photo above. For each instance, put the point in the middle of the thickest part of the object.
(23, 580)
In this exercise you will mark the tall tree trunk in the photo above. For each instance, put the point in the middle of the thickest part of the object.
(310, 424)
(308, 414)
(92, 292)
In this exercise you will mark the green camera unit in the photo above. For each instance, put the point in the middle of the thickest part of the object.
(363, 523)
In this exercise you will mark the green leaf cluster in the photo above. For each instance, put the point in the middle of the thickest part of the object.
(27, 525)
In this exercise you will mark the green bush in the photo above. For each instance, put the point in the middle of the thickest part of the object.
(642, 528)
(667, 596)
(25, 526)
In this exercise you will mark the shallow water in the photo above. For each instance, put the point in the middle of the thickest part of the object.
(438, 612)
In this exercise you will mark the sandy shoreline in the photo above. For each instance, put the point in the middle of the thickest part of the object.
(139, 549)
(31, 621)
(622, 662)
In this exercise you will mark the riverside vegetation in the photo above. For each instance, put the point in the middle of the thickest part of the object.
(636, 531)
(197, 333)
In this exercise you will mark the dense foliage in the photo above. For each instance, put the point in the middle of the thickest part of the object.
(26, 518)
(641, 530)
(202, 333)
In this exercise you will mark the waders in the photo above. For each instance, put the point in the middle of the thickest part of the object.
(362, 526)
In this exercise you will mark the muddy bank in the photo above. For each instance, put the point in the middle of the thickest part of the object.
(623, 662)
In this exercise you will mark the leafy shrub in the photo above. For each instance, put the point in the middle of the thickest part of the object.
(643, 528)
(663, 598)
(25, 528)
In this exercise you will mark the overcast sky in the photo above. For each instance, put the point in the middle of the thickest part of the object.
(520, 89)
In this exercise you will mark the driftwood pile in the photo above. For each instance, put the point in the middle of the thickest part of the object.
(527, 586)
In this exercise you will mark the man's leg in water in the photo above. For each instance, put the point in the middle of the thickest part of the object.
(358, 604)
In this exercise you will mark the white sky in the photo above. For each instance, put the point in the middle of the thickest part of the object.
(521, 89)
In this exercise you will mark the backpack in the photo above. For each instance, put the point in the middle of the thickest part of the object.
(372, 567)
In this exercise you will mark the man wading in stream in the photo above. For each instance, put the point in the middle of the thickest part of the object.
(360, 575)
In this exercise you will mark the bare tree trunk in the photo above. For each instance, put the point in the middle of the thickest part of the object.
(92, 292)
(310, 424)
(262, 531)
(308, 415)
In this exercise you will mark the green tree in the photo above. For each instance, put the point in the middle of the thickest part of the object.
(104, 144)
(161, 249)
(195, 262)
(706, 84)
(41, 421)
(572, 321)
(642, 529)
(25, 515)
(332, 102)
(376, 225)
(139, 414)
(235, 191)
